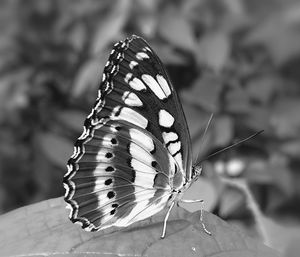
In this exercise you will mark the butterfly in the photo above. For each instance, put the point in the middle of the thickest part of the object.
(134, 157)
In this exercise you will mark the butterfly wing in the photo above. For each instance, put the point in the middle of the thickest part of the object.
(134, 141)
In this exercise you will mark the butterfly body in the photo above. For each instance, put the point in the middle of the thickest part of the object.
(134, 156)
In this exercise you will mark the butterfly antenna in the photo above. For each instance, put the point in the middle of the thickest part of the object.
(204, 134)
(230, 146)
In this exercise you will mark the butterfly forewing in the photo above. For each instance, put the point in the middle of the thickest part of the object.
(134, 141)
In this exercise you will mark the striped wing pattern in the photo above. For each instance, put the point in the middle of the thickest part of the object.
(135, 147)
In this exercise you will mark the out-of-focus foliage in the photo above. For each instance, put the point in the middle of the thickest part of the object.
(238, 59)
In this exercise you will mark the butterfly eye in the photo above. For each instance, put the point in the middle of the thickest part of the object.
(196, 172)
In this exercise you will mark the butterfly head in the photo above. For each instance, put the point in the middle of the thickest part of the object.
(196, 172)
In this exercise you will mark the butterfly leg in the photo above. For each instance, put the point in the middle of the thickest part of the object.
(201, 213)
(166, 219)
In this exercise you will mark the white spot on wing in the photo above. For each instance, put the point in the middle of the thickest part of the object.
(146, 48)
(143, 179)
(100, 185)
(112, 127)
(89, 228)
(107, 140)
(141, 139)
(79, 223)
(131, 116)
(113, 69)
(141, 167)
(143, 208)
(67, 189)
(128, 77)
(169, 136)
(76, 150)
(101, 155)
(115, 110)
(99, 94)
(174, 147)
(142, 55)
(140, 154)
(131, 99)
(137, 84)
(165, 119)
(164, 85)
(102, 197)
(132, 64)
(178, 159)
(138, 208)
(154, 86)
(172, 163)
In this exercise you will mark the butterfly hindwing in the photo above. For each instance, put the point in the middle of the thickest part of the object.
(134, 141)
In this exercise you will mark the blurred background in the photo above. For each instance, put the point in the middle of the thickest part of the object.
(237, 59)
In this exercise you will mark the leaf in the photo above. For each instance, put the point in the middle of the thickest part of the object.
(293, 247)
(275, 172)
(223, 130)
(88, 76)
(281, 174)
(110, 27)
(291, 14)
(258, 117)
(197, 120)
(72, 119)
(237, 101)
(262, 88)
(13, 86)
(195, 117)
(213, 50)
(44, 229)
(168, 55)
(279, 34)
(291, 148)
(285, 117)
(77, 36)
(257, 172)
(58, 149)
(232, 200)
(281, 235)
(205, 92)
(176, 29)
